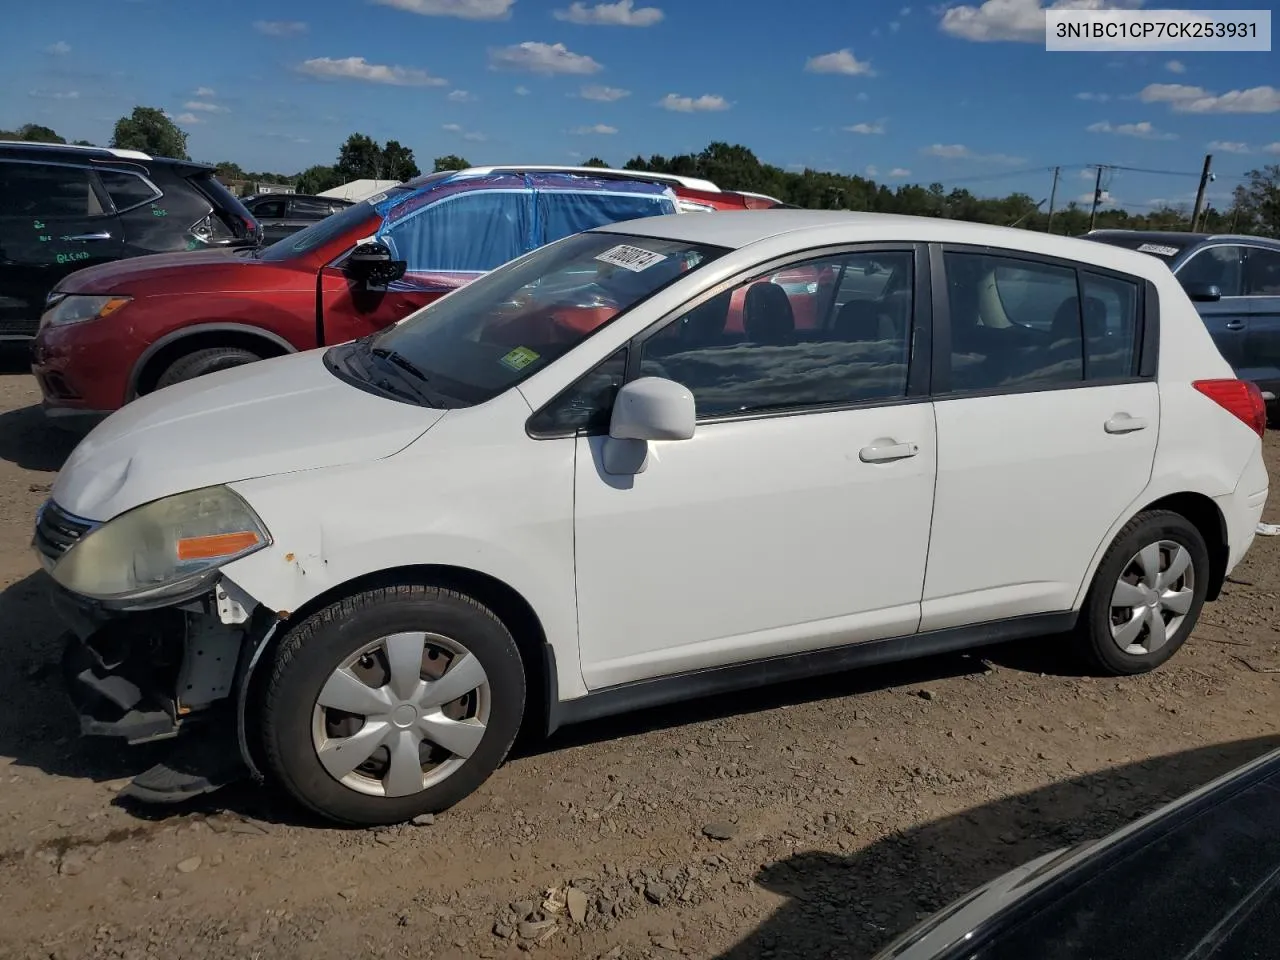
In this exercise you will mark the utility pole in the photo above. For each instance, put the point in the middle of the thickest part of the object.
(1205, 177)
(1053, 195)
(1097, 197)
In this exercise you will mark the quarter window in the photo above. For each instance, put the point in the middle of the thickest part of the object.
(28, 190)
(1110, 323)
(588, 404)
(127, 190)
(1262, 273)
(823, 333)
(1222, 266)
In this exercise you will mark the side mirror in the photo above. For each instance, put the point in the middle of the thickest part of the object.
(372, 262)
(651, 408)
(1203, 292)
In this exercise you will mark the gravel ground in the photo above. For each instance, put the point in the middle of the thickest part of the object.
(812, 820)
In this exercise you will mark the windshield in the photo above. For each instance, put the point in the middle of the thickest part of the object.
(322, 231)
(1161, 249)
(489, 335)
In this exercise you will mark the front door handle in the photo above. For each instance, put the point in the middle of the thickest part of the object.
(91, 236)
(1235, 324)
(884, 452)
(1123, 423)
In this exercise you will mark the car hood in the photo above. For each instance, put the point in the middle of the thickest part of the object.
(275, 416)
(189, 271)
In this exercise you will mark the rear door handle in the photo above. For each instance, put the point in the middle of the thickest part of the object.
(883, 452)
(1235, 324)
(91, 236)
(1123, 423)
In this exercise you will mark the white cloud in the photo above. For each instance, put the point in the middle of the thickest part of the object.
(1230, 146)
(187, 118)
(452, 128)
(868, 128)
(603, 94)
(1094, 97)
(619, 14)
(1272, 147)
(59, 49)
(205, 107)
(356, 68)
(1087, 173)
(461, 9)
(958, 151)
(1187, 99)
(522, 91)
(55, 94)
(473, 136)
(204, 92)
(872, 170)
(705, 103)
(1106, 199)
(470, 135)
(280, 28)
(545, 58)
(862, 96)
(1176, 66)
(904, 12)
(894, 26)
(841, 61)
(1142, 130)
(461, 96)
(1020, 21)
(898, 173)
(602, 128)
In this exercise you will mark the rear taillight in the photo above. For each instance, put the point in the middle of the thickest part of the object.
(1240, 398)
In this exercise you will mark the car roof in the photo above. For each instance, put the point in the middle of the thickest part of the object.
(1181, 238)
(739, 228)
(63, 151)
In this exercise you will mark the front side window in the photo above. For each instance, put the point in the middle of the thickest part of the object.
(469, 232)
(38, 190)
(1262, 273)
(269, 209)
(853, 350)
(1221, 266)
(128, 190)
(486, 337)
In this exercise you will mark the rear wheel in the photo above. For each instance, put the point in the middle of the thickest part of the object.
(391, 703)
(1147, 594)
(201, 362)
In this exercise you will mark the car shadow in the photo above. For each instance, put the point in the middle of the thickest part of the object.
(29, 440)
(852, 906)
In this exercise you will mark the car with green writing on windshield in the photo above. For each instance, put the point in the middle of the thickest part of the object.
(64, 208)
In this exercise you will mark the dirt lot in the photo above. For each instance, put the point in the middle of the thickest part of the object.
(812, 820)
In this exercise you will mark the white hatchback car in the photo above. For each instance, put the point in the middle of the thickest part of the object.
(652, 461)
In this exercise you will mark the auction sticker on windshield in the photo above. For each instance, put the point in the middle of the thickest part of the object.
(519, 358)
(630, 258)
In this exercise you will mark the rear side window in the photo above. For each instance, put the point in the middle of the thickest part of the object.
(314, 209)
(128, 190)
(269, 209)
(565, 212)
(40, 190)
(465, 233)
(1018, 324)
(1262, 273)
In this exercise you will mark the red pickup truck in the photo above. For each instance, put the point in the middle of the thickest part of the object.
(118, 331)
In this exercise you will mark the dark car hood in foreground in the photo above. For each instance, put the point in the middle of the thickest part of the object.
(1198, 879)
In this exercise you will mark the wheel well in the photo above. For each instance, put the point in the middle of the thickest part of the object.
(506, 603)
(163, 358)
(1208, 519)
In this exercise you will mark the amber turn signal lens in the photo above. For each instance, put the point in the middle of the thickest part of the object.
(216, 545)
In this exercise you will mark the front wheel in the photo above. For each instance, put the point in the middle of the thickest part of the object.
(391, 703)
(1146, 595)
(203, 362)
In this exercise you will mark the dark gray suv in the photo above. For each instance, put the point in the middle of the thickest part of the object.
(1235, 283)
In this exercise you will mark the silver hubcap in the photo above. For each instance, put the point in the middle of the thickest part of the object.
(401, 714)
(1150, 602)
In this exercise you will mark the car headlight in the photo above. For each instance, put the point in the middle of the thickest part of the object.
(77, 308)
(163, 549)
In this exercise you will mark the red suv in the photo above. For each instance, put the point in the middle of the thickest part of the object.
(118, 331)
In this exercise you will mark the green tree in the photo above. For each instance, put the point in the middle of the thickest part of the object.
(360, 158)
(32, 133)
(149, 130)
(595, 162)
(450, 161)
(1257, 202)
(318, 178)
(399, 162)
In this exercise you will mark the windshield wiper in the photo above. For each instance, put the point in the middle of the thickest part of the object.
(403, 365)
(400, 360)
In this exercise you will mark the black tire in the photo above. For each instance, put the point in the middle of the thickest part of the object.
(309, 653)
(201, 362)
(1094, 628)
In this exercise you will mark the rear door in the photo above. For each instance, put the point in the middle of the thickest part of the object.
(1262, 292)
(54, 219)
(1227, 319)
(1045, 435)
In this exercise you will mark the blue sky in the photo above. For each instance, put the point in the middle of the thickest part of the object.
(960, 93)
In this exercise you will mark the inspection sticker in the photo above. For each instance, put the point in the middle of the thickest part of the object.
(519, 358)
(1159, 249)
(631, 258)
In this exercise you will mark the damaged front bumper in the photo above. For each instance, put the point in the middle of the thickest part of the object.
(159, 674)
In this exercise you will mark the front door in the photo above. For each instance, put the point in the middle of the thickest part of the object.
(796, 518)
(1045, 434)
(53, 221)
